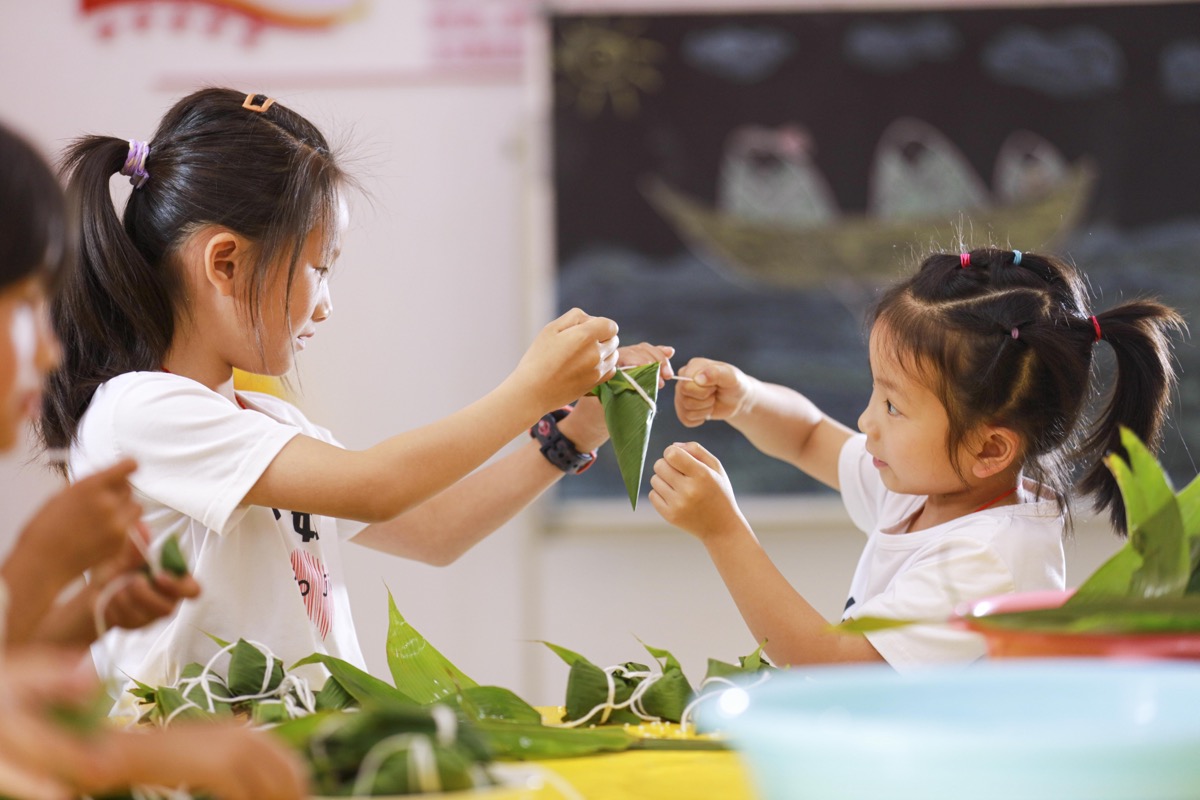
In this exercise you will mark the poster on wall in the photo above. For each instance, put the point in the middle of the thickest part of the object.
(740, 185)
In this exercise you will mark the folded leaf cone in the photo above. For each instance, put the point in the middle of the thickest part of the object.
(629, 413)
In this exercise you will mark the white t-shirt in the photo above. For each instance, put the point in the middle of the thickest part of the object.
(272, 576)
(926, 574)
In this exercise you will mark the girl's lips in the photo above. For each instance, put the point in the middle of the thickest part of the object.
(878, 464)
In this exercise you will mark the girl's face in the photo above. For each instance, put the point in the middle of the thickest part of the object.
(289, 322)
(906, 427)
(28, 351)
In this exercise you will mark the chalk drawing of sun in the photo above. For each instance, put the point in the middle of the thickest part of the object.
(601, 64)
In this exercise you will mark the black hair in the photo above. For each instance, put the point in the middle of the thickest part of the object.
(33, 234)
(266, 174)
(1008, 340)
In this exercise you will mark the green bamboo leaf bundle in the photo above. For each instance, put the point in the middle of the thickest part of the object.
(252, 671)
(630, 400)
(590, 701)
(393, 750)
(171, 557)
(417, 668)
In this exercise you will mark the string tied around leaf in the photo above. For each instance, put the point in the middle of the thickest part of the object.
(633, 702)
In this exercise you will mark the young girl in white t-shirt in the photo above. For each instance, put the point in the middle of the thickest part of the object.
(221, 261)
(982, 367)
(87, 526)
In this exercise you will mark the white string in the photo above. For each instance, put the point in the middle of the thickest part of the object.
(422, 764)
(637, 388)
(633, 702)
(293, 692)
(701, 696)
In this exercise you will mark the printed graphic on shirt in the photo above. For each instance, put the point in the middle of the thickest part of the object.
(846, 608)
(313, 581)
(301, 524)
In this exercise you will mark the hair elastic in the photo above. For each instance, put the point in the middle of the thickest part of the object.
(1016, 333)
(1096, 327)
(254, 104)
(964, 260)
(1016, 258)
(135, 163)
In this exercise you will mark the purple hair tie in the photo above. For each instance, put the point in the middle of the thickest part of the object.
(135, 163)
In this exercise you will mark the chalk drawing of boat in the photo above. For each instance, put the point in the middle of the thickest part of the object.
(775, 223)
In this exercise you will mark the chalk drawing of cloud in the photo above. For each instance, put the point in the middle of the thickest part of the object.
(1179, 71)
(897, 47)
(1075, 62)
(739, 54)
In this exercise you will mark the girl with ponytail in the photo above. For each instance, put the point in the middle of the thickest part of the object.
(220, 260)
(982, 365)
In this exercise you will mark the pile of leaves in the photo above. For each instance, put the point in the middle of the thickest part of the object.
(432, 729)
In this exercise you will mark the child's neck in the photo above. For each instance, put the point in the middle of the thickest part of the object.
(214, 375)
(941, 508)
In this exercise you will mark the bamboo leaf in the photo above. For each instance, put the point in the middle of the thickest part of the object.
(569, 656)
(1104, 615)
(365, 688)
(523, 742)
(587, 687)
(334, 697)
(418, 669)
(496, 703)
(668, 696)
(252, 671)
(1155, 523)
(629, 418)
(872, 624)
(171, 557)
(1189, 509)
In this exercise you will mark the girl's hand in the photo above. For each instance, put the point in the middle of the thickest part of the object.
(570, 356)
(84, 524)
(139, 599)
(690, 490)
(37, 757)
(716, 391)
(585, 427)
(226, 760)
(645, 353)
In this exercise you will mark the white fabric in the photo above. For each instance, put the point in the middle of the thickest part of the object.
(198, 455)
(926, 574)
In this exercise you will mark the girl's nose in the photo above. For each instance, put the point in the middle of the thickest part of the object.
(864, 421)
(324, 306)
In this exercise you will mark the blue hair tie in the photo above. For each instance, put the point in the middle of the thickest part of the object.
(1016, 258)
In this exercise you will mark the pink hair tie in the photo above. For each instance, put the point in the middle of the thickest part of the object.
(964, 260)
(1095, 327)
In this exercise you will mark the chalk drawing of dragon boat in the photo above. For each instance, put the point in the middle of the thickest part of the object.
(776, 223)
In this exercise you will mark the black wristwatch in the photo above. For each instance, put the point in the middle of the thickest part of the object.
(558, 449)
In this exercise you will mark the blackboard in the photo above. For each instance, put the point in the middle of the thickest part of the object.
(741, 185)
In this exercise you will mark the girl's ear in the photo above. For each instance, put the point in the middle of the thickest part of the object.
(224, 252)
(994, 451)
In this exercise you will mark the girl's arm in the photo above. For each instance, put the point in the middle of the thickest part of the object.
(777, 420)
(477, 505)
(691, 491)
(569, 357)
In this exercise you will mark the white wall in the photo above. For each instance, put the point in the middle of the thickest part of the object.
(434, 303)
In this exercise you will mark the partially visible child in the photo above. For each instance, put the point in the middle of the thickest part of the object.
(982, 364)
(220, 260)
(86, 526)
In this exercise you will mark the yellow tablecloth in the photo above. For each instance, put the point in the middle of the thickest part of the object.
(643, 775)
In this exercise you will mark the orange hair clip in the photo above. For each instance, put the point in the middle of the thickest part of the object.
(260, 107)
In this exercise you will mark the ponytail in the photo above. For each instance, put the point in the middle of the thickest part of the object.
(1139, 333)
(259, 170)
(115, 310)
